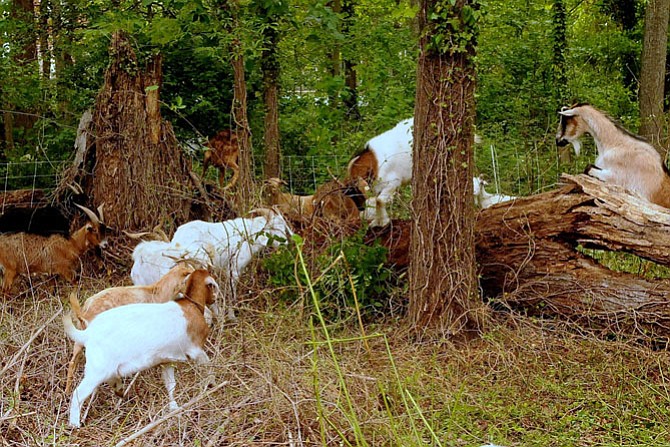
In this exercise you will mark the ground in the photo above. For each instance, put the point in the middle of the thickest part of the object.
(283, 381)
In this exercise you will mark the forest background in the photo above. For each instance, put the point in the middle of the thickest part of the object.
(346, 71)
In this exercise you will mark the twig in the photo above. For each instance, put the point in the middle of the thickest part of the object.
(156, 423)
(27, 344)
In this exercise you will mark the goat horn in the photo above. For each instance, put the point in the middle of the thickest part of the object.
(102, 218)
(75, 187)
(135, 235)
(158, 232)
(91, 215)
(266, 212)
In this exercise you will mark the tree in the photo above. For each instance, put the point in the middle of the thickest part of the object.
(272, 12)
(443, 283)
(245, 184)
(652, 73)
(139, 171)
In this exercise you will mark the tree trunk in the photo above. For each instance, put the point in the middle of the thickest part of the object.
(139, 171)
(350, 97)
(652, 74)
(271, 68)
(528, 257)
(245, 184)
(442, 276)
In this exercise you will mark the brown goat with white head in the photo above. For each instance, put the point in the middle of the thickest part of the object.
(23, 253)
(165, 289)
(223, 152)
(624, 159)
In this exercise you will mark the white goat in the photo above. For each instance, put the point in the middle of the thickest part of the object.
(127, 339)
(227, 246)
(623, 158)
(386, 164)
(484, 199)
(165, 289)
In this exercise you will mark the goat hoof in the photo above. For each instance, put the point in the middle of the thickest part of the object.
(590, 167)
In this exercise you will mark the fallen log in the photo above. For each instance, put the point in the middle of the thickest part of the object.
(530, 257)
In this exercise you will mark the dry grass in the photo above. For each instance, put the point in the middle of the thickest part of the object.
(524, 382)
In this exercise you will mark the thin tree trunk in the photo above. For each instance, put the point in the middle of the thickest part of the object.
(350, 99)
(271, 69)
(652, 75)
(443, 284)
(245, 184)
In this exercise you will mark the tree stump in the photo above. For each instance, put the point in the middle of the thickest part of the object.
(528, 256)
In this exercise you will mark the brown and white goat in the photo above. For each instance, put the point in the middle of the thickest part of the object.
(624, 159)
(287, 203)
(128, 339)
(386, 164)
(24, 253)
(165, 289)
(223, 152)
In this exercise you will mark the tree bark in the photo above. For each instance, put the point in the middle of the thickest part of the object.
(245, 184)
(442, 275)
(271, 67)
(528, 257)
(350, 97)
(139, 171)
(652, 73)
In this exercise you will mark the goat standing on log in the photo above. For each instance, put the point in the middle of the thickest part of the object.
(223, 152)
(623, 158)
(24, 253)
(386, 164)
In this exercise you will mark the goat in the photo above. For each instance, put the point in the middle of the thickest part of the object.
(23, 253)
(341, 200)
(46, 220)
(227, 246)
(165, 289)
(288, 204)
(624, 159)
(484, 199)
(129, 339)
(223, 152)
(386, 164)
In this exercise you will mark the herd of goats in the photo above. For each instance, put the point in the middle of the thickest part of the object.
(165, 316)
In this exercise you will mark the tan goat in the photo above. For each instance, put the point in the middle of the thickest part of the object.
(24, 253)
(223, 153)
(623, 158)
(286, 202)
(165, 289)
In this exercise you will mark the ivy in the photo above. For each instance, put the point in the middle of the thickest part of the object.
(453, 28)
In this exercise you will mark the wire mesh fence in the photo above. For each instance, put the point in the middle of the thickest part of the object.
(33, 178)
(304, 173)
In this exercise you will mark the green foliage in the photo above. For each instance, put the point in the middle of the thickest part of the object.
(346, 275)
(454, 29)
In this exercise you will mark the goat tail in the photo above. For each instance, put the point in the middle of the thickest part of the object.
(78, 336)
(74, 304)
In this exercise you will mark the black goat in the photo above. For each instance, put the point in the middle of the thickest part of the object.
(44, 221)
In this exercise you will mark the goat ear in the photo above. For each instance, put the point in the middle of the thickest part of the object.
(568, 112)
